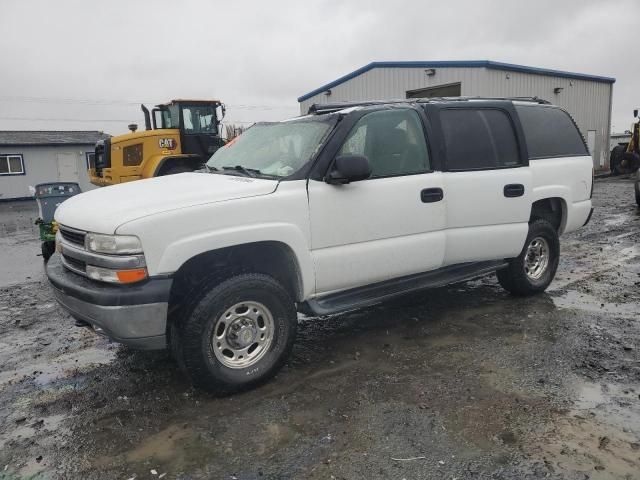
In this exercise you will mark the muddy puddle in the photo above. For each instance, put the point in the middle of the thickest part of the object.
(465, 382)
(19, 243)
(599, 436)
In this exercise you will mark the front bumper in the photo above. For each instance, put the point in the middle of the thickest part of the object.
(134, 315)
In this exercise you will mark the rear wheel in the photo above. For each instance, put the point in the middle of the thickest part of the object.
(238, 335)
(533, 270)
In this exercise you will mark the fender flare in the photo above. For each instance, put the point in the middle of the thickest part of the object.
(182, 250)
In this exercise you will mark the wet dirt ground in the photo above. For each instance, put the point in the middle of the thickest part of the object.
(462, 382)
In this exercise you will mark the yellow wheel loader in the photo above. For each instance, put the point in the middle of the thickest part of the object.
(625, 157)
(179, 137)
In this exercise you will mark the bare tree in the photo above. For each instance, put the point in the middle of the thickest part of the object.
(233, 131)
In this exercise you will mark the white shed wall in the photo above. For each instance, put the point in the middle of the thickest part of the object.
(589, 102)
(41, 166)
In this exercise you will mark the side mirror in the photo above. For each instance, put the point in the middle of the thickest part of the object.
(349, 168)
(635, 113)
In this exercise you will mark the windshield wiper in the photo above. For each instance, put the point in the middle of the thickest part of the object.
(209, 169)
(249, 172)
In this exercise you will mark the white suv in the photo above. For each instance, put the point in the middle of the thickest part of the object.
(342, 208)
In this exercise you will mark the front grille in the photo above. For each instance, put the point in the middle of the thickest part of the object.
(74, 263)
(75, 237)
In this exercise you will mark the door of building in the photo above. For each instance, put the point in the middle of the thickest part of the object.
(591, 144)
(67, 167)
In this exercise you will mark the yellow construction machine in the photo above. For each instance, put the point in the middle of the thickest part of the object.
(625, 157)
(179, 137)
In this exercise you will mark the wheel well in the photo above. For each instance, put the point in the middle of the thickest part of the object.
(211, 268)
(194, 162)
(551, 209)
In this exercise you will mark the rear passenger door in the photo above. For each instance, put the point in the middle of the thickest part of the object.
(487, 181)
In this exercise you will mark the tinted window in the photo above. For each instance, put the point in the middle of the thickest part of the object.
(477, 139)
(392, 140)
(550, 132)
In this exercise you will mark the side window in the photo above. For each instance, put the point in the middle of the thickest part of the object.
(550, 132)
(479, 139)
(392, 140)
(91, 159)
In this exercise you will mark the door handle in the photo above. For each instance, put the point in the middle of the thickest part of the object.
(430, 195)
(513, 190)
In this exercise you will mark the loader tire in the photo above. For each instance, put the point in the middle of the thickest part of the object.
(175, 169)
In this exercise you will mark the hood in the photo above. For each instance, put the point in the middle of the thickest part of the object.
(104, 209)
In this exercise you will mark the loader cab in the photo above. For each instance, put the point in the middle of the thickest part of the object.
(198, 122)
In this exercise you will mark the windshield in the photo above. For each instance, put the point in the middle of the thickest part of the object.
(274, 149)
(199, 119)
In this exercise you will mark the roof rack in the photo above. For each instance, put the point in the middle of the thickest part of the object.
(320, 108)
(539, 100)
(324, 108)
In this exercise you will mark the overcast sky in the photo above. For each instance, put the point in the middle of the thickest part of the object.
(86, 64)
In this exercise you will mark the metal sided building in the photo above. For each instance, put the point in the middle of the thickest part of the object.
(31, 157)
(586, 97)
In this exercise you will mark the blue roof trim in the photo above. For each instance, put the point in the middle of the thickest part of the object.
(459, 64)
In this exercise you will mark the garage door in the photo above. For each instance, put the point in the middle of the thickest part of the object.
(448, 90)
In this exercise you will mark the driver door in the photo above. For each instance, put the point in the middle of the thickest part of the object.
(388, 226)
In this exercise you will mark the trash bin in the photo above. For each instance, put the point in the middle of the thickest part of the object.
(49, 196)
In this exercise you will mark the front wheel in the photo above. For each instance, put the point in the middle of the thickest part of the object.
(533, 270)
(238, 335)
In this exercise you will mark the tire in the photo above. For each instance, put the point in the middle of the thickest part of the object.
(523, 276)
(172, 170)
(615, 159)
(252, 310)
(48, 249)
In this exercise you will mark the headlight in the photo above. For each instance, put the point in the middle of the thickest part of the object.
(116, 276)
(113, 244)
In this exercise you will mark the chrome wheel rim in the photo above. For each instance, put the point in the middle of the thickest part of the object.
(536, 260)
(242, 335)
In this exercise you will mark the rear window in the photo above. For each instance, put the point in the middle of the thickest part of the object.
(550, 132)
(479, 139)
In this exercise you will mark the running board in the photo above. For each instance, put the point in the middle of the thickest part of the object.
(378, 292)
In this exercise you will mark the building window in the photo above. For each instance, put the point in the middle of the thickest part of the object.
(91, 159)
(11, 165)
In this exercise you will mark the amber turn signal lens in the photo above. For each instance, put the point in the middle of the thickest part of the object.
(131, 276)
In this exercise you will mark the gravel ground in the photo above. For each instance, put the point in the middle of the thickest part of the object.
(462, 382)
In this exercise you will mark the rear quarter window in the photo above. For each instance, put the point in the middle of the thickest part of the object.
(550, 132)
